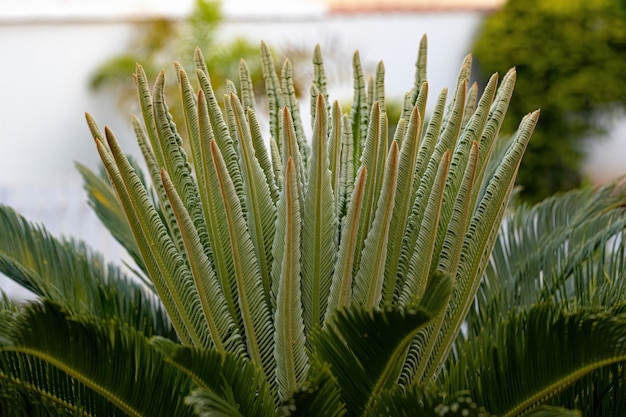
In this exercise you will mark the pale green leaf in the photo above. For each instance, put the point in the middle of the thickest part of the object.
(274, 94)
(261, 214)
(369, 280)
(319, 226)
(341, 286)
(254, 309)
(221, 325)
(289, 340)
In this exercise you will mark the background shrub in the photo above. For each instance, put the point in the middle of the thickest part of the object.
(570, 57)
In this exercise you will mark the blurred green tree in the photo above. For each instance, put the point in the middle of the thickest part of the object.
(160, 39)
(570, 57)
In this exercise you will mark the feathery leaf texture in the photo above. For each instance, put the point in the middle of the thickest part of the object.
(333, 272)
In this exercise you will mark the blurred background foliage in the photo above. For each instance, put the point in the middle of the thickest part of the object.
(161, 40)
(570, 57)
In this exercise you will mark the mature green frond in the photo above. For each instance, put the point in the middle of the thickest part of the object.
(602, 392)
(289, 325)
(31, 387)
(516, 374)
(319, 396)
(104, 203)
(546, 411)
(414, 401)
(319, 226)
(42, 263)
(228, 384)
(365, 348)
(567, 238)
(116, 363)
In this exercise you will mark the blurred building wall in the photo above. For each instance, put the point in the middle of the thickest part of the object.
(51, 47)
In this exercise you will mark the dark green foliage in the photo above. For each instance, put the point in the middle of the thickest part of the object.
(570, 57)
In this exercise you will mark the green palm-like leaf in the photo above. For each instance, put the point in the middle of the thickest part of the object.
(42, 263)
(104, 203)
(319, 396)
(365, 347)
(227, 384)
(561, 237)
(105, 358)
(582, 265)
(582, 341)
(413, 400)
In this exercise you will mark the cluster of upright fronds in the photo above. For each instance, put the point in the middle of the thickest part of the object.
(253, 248)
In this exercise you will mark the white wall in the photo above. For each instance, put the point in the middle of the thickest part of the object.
(46, 64)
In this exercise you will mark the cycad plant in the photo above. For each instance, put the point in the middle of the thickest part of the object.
(323, 276)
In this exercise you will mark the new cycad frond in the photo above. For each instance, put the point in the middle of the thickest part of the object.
(254, 251)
